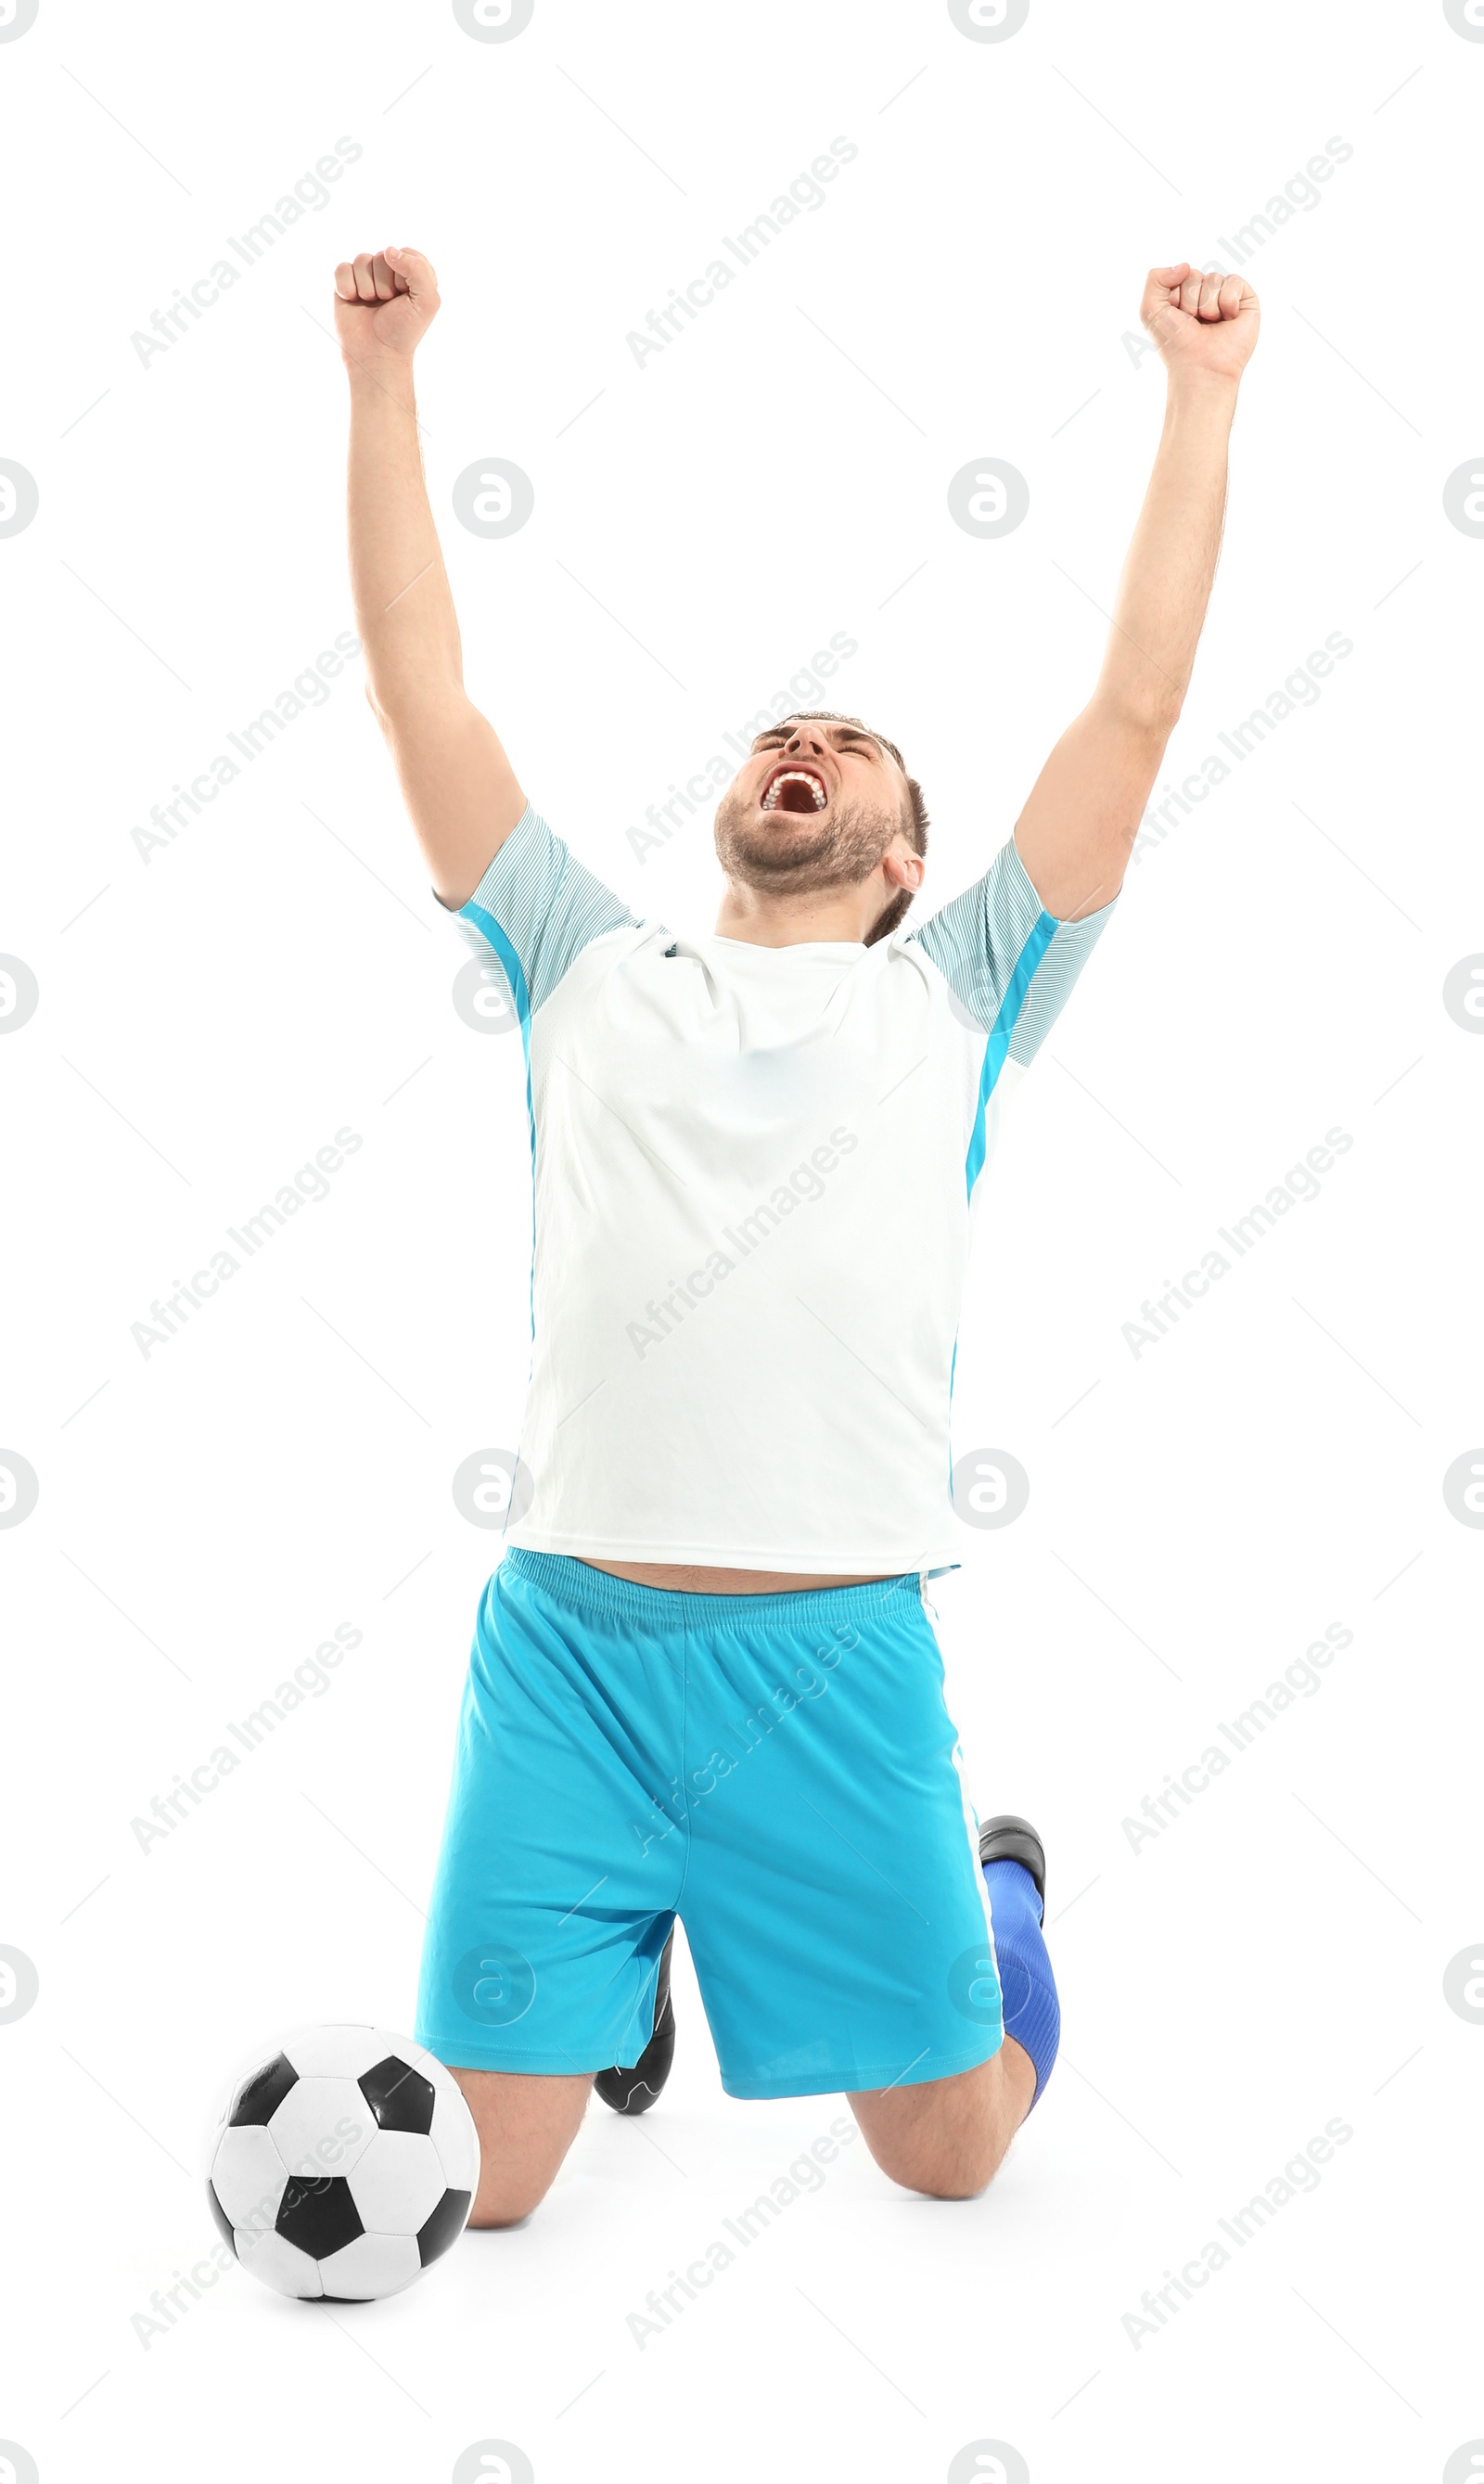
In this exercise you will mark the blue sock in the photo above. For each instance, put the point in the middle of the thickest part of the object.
(1032, 2015)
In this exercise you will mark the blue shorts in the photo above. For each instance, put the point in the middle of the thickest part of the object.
(779, 1770)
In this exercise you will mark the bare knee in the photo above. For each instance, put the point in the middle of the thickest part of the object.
(525, 2126)
(948, 2138)
(959, 2171)
(953, 2183)
(495, 2208)
(511, 2190)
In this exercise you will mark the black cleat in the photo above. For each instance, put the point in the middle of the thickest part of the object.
(1007, 1839)
(636, 2089)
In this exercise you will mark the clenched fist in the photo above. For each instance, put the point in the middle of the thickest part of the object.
(1204, 325)
(383, 302)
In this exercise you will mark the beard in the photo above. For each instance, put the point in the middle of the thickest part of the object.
(773, 851)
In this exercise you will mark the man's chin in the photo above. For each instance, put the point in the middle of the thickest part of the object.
(779, 853)
(766, 857)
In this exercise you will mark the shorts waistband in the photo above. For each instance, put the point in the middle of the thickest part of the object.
(578, 1585)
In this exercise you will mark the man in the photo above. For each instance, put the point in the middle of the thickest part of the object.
(704, 1680)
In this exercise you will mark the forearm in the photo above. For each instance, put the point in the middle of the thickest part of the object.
(1082, 814)
(1161, 603)
(461, 791)
(404, 607)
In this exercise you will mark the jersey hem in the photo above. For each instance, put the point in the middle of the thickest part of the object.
(886, 1561)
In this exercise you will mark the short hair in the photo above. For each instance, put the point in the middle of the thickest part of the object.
(887, 921)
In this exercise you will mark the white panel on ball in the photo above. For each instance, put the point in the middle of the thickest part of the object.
(453, 2134)
(322, 2127)
(248, 2175)
(403, 2047)
(279, 2263)
(335, 2052)
(398, 2182)
(371, 2266)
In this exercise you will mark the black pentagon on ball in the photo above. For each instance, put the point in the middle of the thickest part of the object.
(399, 2096)
(319, 2215)
(443, 2226)
(219, 2217)
(262, 2091)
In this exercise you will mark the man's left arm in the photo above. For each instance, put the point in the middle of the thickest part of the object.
(1077, 830)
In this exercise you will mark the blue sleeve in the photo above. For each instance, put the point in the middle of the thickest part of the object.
(1010, 962)
(538, 909)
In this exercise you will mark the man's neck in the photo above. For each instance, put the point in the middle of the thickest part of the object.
(783, 922)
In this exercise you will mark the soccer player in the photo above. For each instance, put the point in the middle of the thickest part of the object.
(703, 1680)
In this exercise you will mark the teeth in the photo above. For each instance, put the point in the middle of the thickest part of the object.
(793, 777)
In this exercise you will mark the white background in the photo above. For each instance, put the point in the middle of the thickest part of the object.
(209, 1018)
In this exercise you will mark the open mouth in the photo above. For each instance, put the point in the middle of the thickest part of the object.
(795, 789)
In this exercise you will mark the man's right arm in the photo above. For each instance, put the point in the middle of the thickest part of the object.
(459, 786)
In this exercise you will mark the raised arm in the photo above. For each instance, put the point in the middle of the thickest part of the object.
(458, 785)
(1077, 830)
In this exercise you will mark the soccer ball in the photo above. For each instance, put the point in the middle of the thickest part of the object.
(344, 2162)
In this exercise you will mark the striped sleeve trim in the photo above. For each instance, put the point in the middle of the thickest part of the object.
(539, 909)
(1070, 947)
(983, 941)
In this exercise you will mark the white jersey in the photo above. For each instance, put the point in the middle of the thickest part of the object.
(754, 1173)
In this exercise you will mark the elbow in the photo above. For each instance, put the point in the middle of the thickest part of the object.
(381, 709)
(390, 711)
(1152, 719)
(406, 703)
